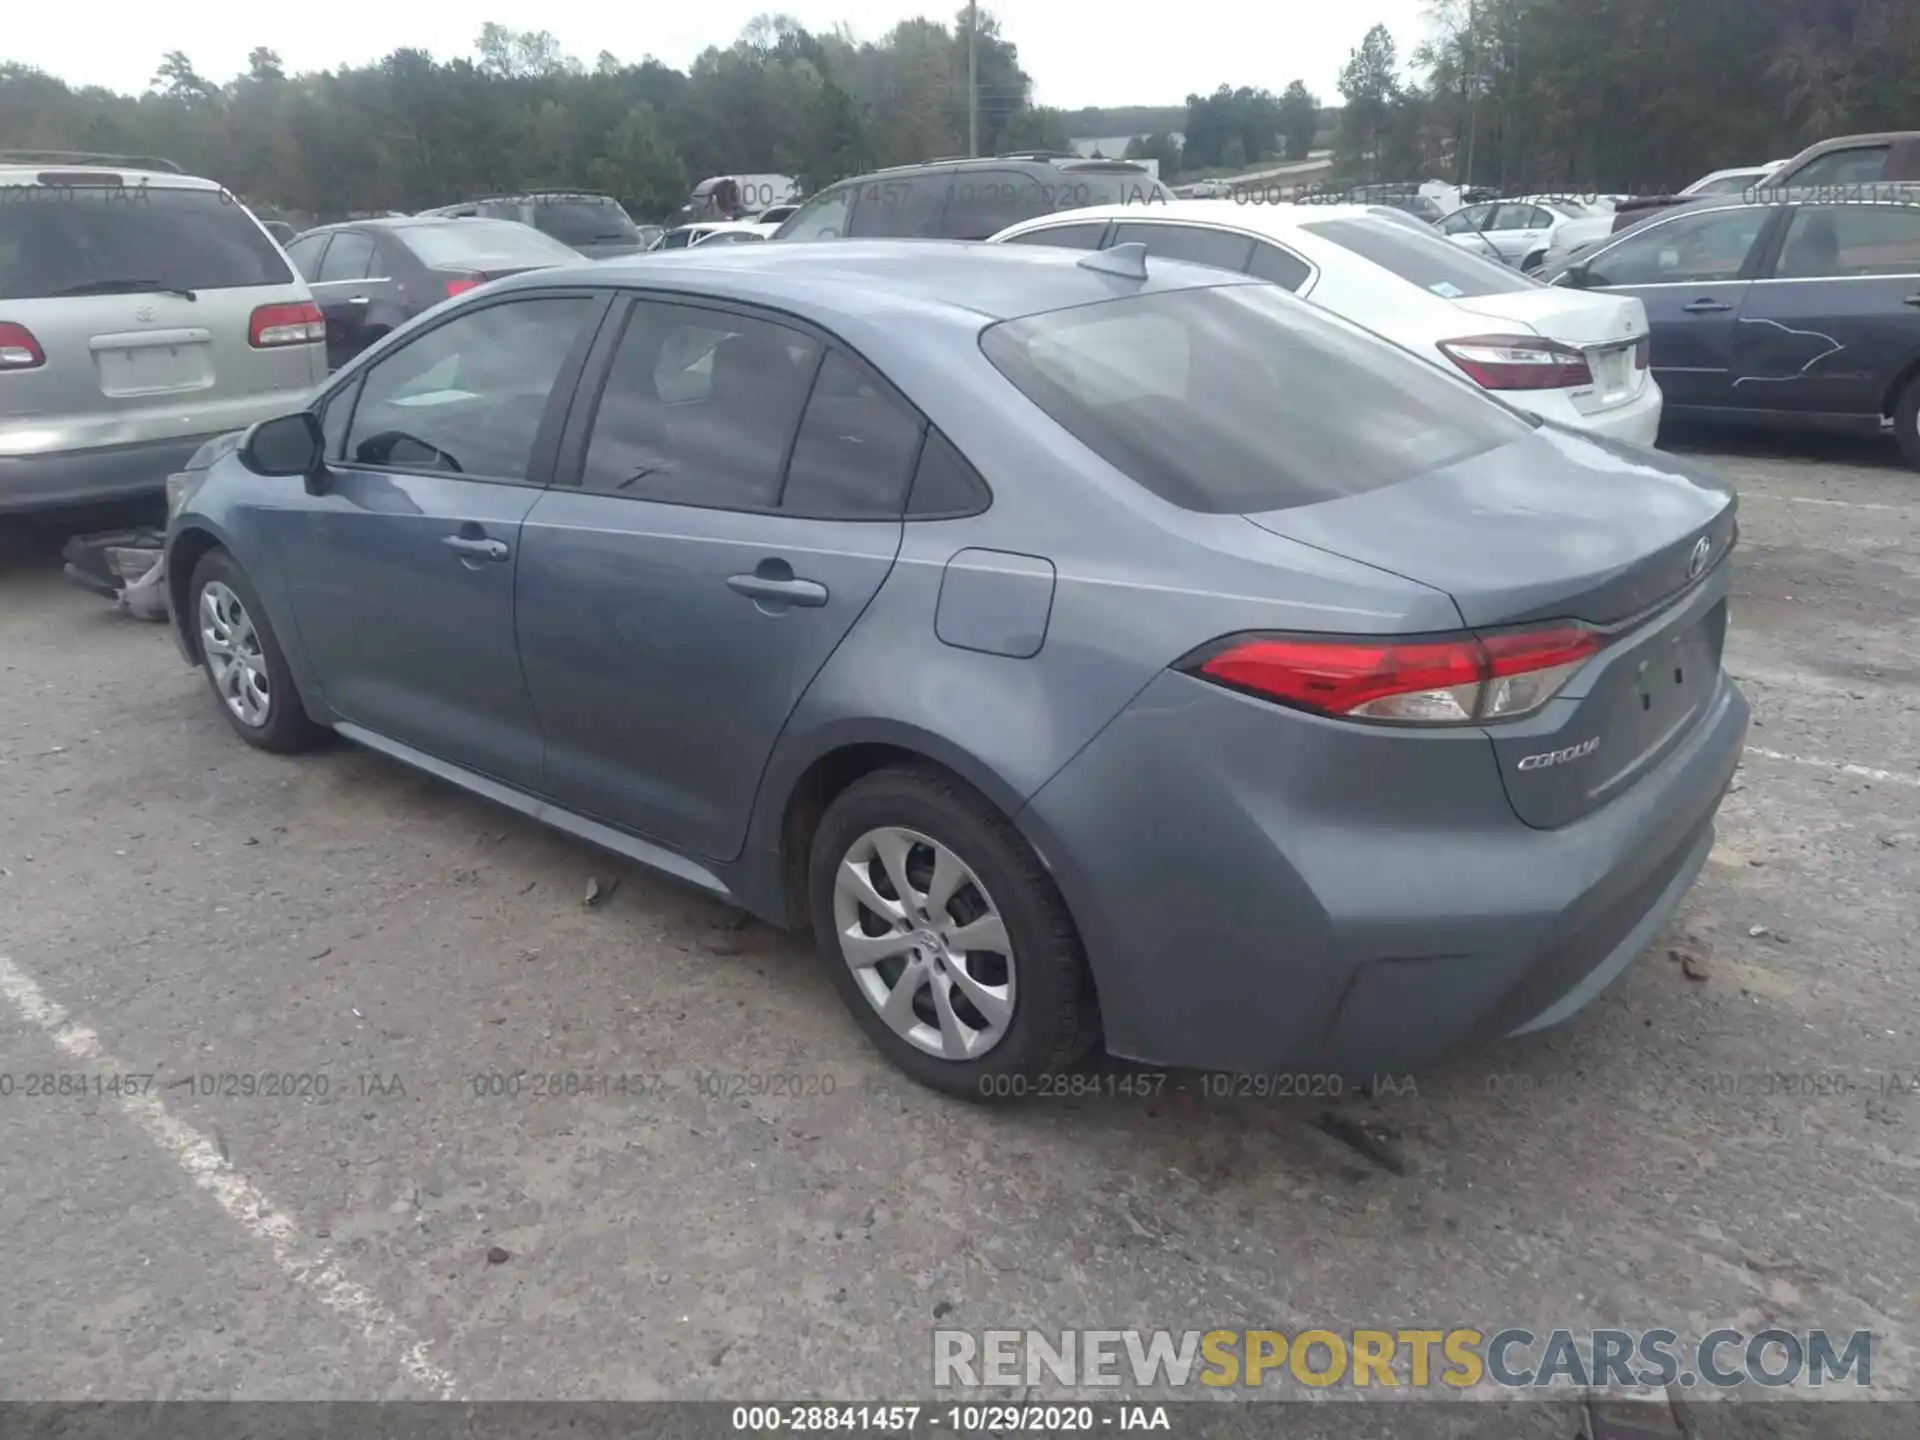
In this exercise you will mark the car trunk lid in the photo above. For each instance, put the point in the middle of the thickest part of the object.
(1604, 328)
(1558, 527)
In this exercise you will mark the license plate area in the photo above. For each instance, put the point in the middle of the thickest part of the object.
(129, 366)
(1613, 373)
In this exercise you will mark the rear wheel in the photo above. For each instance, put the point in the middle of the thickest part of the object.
(1906, 422)
(1533, 262)
(946, 937)
(243, 660)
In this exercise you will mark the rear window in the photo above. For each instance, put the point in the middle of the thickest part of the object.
(1241, 399)
(584, 222)
(1424, 259)
(76, 240)
(482, 245)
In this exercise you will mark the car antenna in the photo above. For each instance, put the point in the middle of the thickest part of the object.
(1128, 261)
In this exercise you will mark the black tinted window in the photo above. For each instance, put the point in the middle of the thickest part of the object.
(902, 208)
(468, 396)
(1423, 259)
(984, 202)
(79, 240)
(699, 408)
(1085, 236)
(1856, 166)
(1282, 267)
(305, 254)
(944, 483)
(1239, 398)
(348, 258)
(856, 448)
(583, 222)
(1221, 249)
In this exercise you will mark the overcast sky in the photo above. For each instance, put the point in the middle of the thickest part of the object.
(1087, 52)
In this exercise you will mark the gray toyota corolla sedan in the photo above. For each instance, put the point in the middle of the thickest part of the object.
(1086, 648)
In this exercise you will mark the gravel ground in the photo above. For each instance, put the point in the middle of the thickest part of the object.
(189, 907)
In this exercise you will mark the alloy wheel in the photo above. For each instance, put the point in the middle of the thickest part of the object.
(234, 657)
(926, 943)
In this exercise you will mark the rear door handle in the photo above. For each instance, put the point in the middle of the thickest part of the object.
(1911, 300)
(773, 582)
(1706, 307)
(479, 549)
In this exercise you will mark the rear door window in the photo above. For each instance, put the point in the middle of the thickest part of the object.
(700, 408)
(305, 254)
(1858, 165)
(79, 240)
(350, 257)
(856, 449)
(1435, 265)
(1222, 249)
(1281, 267)
(1087, 235)
(903, 208)
(1238, 398)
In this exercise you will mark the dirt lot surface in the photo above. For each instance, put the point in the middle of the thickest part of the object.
(1722, 1138)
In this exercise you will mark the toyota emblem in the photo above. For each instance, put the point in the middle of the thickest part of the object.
(1697, 561)
(144, 313)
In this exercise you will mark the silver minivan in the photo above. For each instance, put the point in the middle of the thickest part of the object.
(142, 311)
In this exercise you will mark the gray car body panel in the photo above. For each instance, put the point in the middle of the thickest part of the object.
(1255, 885)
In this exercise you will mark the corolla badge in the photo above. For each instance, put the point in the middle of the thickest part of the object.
(1697, 561)
(1561, 757)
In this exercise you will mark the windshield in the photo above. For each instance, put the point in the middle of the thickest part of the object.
(585, 221)
(483, 245)
(1241, 399)
(1423, 258)
(61, 239)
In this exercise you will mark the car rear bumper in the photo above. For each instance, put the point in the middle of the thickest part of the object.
(1262, 890)
(1637, 421)
(86, 477)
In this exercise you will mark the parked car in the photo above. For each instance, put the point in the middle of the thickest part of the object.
(1579, 365)
(1891, 158)
(131, 332)
(372, 276)
(922, 623)
(649, 235)
(1781, 313)
(713, 232)
(596, 226)
(1521, 231)
(967, 199)
(775, 214)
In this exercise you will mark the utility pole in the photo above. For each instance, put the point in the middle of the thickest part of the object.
(1473, 93)
(973, 77)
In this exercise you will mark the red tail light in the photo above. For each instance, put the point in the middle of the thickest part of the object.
(1518, 362)
(1453, 680)
(18, 349)
(273, 325)
(460, 287)
(1642, 352)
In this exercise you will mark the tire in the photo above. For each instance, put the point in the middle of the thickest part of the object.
(222, 598)
(1533, 262)
(1906, 422)
(914, 813)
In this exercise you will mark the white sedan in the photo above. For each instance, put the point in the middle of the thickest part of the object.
(712, 232)
(1521, 231)
(1575, 357)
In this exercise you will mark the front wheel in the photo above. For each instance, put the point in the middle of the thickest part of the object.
(1906, 422)
(243, 660)
(946, 937)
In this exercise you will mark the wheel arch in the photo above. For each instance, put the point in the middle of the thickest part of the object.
(189, 546)
(1905, 375)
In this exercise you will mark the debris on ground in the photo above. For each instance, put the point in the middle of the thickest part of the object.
(128, 567)
(596, 892)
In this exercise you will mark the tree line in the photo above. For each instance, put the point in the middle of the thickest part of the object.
(1584, 94)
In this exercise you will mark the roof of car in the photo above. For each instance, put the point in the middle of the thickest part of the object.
(1262, 219)
(409, 222)
(23, 172)
(829, 281)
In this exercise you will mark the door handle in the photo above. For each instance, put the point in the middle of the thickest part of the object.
(1911, 300)
(774, 583)
(475, 547)
(1706, 307)
(358, 300)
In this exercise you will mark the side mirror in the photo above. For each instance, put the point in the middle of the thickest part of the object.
(286, 445)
